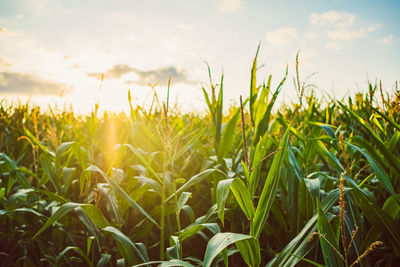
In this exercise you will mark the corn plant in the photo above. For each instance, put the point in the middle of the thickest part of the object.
(314, 182)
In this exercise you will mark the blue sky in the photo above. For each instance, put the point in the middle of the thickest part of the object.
(55, 51)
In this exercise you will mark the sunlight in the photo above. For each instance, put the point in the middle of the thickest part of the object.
(110, 139)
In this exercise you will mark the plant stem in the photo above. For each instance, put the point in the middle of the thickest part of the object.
(162, 219)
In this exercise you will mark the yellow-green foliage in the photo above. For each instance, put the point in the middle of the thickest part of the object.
(165, 187)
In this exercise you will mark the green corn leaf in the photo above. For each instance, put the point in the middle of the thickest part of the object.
(196, 179)
(52, 196)
(218, 243)
(78, 251)
(190, 231)
(392, 206)
(91, 211)
(326, 127)
(393, 141)
(262, 123)
(142, 159)
(67, 177)
(63, 210)
(221, 196)
(331, 256)
(295, 164)
(243, 198)
(89, 242)
(36, 142)
(153, 184)
(378, 218)
(173, 250)
(131, 253)
(329, 157)
(122, 193)
(379, 171)
(184, 197)
(245, 171)
(308, 261)
(218, 121)
(29, 210)
(250, 251)
(271, 184)
(187, 147)
(62, 149)
(299, 245)
(48, 167)
(260, 152)
(395, 162)
(227, 135)
(253, 85)
(207, 98)
(104, 260)
(172, 263)
(195, 228)
(95, 215)
(262, 102)
(391, 121)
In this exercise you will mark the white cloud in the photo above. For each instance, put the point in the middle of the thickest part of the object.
(333, 46)
(333, 18)
(341, 25)
(387, 40)
(282, 36)
(373, 27)
(229, 6)
(345, 34)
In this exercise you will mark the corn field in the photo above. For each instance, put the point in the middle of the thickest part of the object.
(314, 183)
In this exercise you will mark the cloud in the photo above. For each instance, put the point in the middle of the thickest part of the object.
(160, 76)
(333, 18)
(373, 27)
(144, 77)
(229, 6)
(29, 84)
(114, 73)
(341, 25)
(346, 34)
(387, 40)
(282, 36)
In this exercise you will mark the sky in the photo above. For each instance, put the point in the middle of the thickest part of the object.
(54, 51)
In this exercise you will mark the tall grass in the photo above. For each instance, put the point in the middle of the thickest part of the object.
(251, 187)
